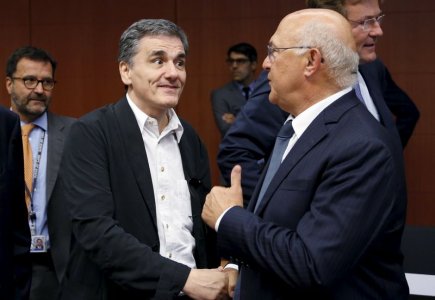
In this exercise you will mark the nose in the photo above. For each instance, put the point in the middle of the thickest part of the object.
(171, 70)
(376, 29)
(266, 64)
(38, 88)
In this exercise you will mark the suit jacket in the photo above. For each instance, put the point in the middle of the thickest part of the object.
(59, 228)
(115, 254)
(331, 221)
(251, 138)
(227, 99)
(15, 264)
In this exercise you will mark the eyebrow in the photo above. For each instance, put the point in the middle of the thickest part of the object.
(164, 53)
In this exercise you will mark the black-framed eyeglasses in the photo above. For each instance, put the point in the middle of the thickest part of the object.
(272, 51)
(368, 24)
(237, 61)
(31, 82)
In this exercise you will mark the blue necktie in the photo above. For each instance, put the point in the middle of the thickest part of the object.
(281, 143)
(357, 89)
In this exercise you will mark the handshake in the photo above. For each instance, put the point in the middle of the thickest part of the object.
(211, 283)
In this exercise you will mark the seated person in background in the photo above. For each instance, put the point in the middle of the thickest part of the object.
(229, 99)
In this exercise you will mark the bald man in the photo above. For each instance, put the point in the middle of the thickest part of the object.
(326, 218)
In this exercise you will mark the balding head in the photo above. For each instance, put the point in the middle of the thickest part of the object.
(323, 41)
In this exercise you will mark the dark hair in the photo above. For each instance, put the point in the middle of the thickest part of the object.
(31, 53)
(337, 5)
(147, 27)
(245, 49)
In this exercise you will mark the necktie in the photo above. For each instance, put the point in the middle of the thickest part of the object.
(281, 142)
(28, 160)
(246, 91)
(358, 92)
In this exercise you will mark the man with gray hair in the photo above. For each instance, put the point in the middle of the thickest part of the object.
(136, 176)
(326, 218)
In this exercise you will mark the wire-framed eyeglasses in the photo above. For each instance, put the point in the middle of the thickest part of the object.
(272, 51)
(368, 24)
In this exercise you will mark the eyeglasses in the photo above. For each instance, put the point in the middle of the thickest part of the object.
(367, 24)
(272, 51)
(237, 61)
(31, 82)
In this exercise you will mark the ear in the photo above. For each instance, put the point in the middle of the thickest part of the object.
(124, 71)
(314, 61)
(9, 84)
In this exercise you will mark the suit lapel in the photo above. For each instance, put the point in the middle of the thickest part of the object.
(55, 143)
(313, 136)
(375, 91)
(134, 148)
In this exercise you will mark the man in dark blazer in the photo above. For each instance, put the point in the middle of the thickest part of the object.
(30, 81)
(251, 148)
(330, 222)
(136, 177)
(227, 100)
(15, 264)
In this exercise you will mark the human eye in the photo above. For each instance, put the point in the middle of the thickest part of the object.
(180, 63)
(30, 80)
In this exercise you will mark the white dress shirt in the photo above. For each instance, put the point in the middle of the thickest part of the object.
(171, 192)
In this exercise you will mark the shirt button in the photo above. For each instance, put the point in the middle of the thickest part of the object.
(162, 197)
(162, 169)
(170, 255)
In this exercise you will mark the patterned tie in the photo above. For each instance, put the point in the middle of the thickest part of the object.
(246, 91)
(28, 160)
(281, 144)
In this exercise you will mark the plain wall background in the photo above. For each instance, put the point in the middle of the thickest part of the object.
(83, 36)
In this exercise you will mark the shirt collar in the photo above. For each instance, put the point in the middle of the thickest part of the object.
(40, 122)
(174, 124)
(304, 119)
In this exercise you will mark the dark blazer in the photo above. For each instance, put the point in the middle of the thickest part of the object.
(16, 271)
(251, 138)
(331, 220)
(59, 228)
(227, 99)
(115, 251)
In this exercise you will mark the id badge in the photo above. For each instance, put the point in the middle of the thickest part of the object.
(38, 244)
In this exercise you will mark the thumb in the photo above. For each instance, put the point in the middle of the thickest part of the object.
(236, 177)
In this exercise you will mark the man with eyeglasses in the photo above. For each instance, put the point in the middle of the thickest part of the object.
(30, 82)
(228, 100)
(250, 140)
(326, 219)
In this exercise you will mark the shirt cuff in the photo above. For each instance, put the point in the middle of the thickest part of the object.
(216, 226)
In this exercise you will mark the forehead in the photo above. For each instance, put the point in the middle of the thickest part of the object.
(161, 43)
(362, 9)
(237, 55)
(284, 33)
(29, 66)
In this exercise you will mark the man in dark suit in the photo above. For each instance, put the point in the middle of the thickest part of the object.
(329, 223)
(15, 265)
(30, 81)
(251, 148)
(136, 177)
(227, 101)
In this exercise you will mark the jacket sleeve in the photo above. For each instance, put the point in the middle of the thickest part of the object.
(250, 139)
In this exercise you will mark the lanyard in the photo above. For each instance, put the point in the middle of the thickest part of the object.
(32, 215)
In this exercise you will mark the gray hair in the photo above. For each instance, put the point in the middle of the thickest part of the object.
(342, 61)
(147, 27)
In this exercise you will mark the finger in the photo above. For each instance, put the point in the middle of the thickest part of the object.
(236, 177)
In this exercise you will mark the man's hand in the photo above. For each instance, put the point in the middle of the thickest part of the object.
(206, 284)
(221, 198)
(228, 118)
